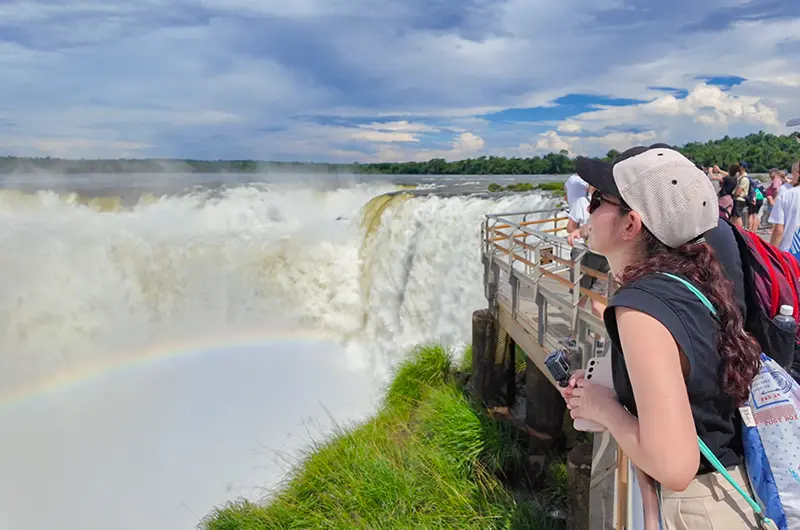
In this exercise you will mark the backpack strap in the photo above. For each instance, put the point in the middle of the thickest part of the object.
(788, 273)
(695, 290)
(773, 277)
(794, 277)
(765, 521)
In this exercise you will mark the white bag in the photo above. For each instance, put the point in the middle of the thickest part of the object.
(771, 439)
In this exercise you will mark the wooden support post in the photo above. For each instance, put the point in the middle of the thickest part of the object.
(484, 344)
(491, 361)
(579, 472)
(544, 412)
(511, 381)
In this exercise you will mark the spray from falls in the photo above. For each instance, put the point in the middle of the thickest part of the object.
(83, 284)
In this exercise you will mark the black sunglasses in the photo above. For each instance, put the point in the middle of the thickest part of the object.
(598, 198)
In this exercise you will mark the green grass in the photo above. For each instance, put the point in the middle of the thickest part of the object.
(551, 186)
(429, 458)
(554, 186)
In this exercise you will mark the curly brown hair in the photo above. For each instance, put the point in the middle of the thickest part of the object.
(738, 350)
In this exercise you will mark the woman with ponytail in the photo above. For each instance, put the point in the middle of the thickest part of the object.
(679, 371)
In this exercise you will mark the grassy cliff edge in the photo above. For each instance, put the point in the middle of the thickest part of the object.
(429, 458)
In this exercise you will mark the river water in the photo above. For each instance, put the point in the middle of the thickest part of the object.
(170, 342)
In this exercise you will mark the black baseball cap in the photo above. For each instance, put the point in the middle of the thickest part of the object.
(674, 198)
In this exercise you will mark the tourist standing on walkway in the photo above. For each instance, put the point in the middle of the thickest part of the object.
(578, 228)
(575, 188)
(740, 211)
(775, 182)
(679, 372)
(727, 183)
(785, 215)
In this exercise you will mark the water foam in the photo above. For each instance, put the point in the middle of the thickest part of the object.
(82, 283)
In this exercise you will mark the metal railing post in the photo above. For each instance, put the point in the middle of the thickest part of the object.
(514, 281)
(541, 303)
(537, 265)
(577, 276)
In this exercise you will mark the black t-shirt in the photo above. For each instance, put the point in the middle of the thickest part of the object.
(695, 331)
(727, 186)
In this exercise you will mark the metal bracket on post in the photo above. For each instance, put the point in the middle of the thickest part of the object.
(514, 281)
(494, 286)
(537, 265)
(487, 271)
(541, 302)
(581, 344)
(576, 275)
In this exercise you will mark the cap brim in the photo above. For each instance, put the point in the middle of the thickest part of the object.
(598, 174)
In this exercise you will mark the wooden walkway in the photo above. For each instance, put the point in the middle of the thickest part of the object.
(531, 281)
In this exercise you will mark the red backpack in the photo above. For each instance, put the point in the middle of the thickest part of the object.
(772, 279)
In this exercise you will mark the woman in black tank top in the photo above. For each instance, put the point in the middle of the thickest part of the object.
(679, 372)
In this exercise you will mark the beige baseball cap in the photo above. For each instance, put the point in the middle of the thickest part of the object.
(675, 199)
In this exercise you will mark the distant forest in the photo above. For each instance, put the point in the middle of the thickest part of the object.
(761, 151)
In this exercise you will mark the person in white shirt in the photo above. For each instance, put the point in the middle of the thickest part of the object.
(578, 223)
(575, 188)
(578, 227)
(785, 215)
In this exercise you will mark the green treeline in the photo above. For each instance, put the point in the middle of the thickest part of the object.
(761, 150)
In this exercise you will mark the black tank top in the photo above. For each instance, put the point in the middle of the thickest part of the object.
(695, 331)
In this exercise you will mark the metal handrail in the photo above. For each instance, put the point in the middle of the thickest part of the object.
(538, 233)
(518, 249)
(506, 235)
(528, 212)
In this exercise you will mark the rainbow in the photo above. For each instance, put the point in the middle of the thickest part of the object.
(153, 355)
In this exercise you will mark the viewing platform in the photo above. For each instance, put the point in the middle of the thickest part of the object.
(532, 285)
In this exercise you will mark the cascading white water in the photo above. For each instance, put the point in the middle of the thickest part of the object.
(426, 276)
(79, 283)
(226, 275)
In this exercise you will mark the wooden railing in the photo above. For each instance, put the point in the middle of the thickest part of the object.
(526, 247)
(530, 249)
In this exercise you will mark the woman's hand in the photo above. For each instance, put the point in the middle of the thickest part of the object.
(572, 236)
(591, 402)
(566, 392)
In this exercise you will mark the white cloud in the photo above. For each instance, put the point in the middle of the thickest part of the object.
(550, 141)
(465, 145)
(706, 111)
(400, 126)
(383, 136)
(211, 78)
(704, 104)
(569, 127)
(74, 147)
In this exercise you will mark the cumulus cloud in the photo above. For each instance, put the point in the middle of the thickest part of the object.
(569, 127)
(465, 145)
(704, 104)
(706, 111)
(246, 78)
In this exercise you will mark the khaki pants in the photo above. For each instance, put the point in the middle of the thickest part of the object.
(709, 503)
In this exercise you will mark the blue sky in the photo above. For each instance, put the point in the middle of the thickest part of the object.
(388, 80)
